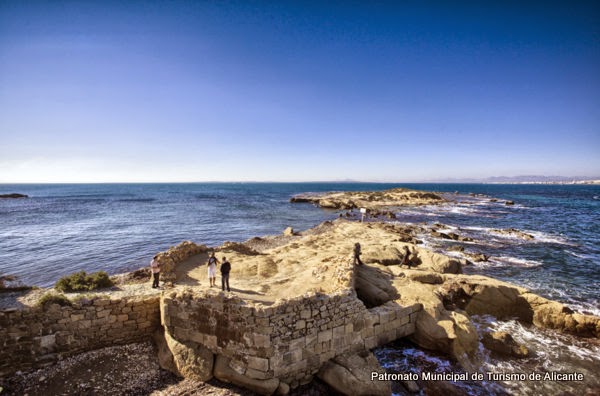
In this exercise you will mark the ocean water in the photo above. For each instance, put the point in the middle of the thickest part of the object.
(119, 227)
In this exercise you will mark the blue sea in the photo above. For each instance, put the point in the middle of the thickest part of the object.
(60, 229)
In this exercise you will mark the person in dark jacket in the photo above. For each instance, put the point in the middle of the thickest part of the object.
(357, 253)
(225, 269)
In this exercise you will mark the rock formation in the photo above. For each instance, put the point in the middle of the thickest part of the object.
(13, 195)
(372, 200)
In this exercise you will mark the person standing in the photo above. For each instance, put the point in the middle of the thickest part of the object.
(212, 269)
(406, 259)
(225, 270)
(155, 267)
(357, 253)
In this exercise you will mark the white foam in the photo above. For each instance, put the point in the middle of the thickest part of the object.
(579, 255)
(538, 236)
(543, 237)
(517, 261)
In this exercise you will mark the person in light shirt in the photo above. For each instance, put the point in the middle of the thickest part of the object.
(155, 267)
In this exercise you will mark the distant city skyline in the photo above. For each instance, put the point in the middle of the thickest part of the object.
(297, 91)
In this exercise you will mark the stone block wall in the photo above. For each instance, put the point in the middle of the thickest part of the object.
(176, 254)
(34, 337)
(289, 340)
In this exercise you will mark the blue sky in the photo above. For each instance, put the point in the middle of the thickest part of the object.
(294, 91)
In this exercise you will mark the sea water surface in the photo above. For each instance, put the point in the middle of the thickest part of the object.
(60, 229)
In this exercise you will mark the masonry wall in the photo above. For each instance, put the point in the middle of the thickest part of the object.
(35, 337)
(290, 340)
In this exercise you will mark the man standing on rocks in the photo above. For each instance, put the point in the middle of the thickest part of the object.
(155, 267)
(212, 269)
(225, 269)
(357, 253)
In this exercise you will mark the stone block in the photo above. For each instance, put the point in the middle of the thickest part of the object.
(298, 343)
(349, 328)
(371, 342)
(262, 340)
(324, 336)
(84, 324)
(257, 363)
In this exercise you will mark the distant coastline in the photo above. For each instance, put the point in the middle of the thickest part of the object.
(578, 182)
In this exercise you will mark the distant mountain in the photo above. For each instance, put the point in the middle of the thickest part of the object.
(536, 179)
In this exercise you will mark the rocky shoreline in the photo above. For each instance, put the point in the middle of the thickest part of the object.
(274, 271)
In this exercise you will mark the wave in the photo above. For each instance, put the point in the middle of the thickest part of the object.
(515, 261)
(136, 200)
(538, 236)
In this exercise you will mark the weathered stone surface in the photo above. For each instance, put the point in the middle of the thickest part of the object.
(191, 359)
(289, 231)
(373, 285)
(350, 374)
(429, 277)
(502, 343)
(223, 372)
(165, 356)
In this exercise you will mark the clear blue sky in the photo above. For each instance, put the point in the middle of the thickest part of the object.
(289, 91)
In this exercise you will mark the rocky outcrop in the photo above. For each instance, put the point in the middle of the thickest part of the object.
(515, 233)
(371, 200)
(502, 343)
(350, 374)
(479, 295)
(13, 195)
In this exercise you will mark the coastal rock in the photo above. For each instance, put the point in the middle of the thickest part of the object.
(350, 374)
(480, 295)
(289, 231)
(514, 232)
(509, 203)
(385, 255)
(13, 195)
(502, 343)
(436, 262)
(239, 248)
(437, 328)
(477, 257)
(554, 315)
(429, 277)
(223, 372)
(371, 200)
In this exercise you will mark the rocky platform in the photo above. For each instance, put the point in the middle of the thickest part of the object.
(372, 200)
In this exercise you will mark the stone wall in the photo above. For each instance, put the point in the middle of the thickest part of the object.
(34, 337)
(289, 340)
(176, 254)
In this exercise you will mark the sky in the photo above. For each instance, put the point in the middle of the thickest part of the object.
(185, 91)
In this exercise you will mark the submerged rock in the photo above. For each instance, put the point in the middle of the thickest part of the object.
(502, 343)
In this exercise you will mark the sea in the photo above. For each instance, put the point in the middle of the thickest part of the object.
(63, 228)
